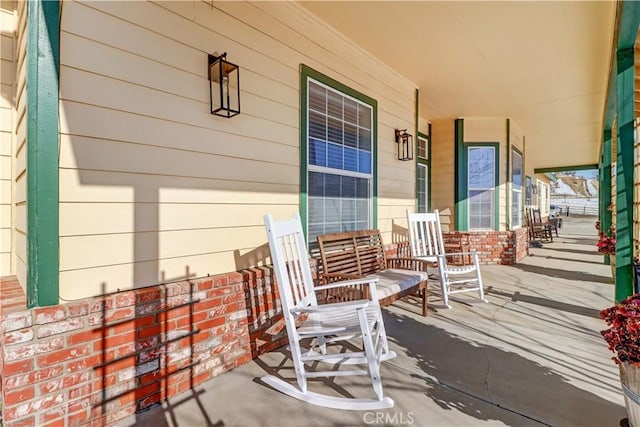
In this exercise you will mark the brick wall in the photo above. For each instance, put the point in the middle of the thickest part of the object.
(494, 247)
(102, 359)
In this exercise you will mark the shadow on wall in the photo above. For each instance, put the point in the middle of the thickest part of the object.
(488, 383)
(158, 361)
(260, 256)
(151, 185)
(164, 340)
(399, 233)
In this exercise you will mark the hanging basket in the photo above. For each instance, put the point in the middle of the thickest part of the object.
(630, 379)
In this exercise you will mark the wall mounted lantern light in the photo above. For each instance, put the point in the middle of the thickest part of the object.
(224, 85)
(405, 145)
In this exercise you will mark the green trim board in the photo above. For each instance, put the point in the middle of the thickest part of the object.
(459, 184)
(604, 193)
(566, 168)
(429, 176)
(522, 189)
(509, 183)
(43, 59)
(307, 73)
(624, 174)
(415, 146)
(304, 197)
(427, 163)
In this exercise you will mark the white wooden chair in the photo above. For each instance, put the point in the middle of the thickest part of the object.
(425, 236)
(327, 325)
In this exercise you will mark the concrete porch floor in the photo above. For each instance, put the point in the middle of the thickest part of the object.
(532, 356)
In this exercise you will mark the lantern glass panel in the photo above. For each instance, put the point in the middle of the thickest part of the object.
(225, 88)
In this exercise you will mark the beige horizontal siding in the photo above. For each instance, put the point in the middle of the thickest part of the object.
(19, 148)
(106, 155)
(164, 188)
(108, 186)
(5, 216)
(442, 164)
(117, 218)
(95, 251)
(7, 77)
(111, 278)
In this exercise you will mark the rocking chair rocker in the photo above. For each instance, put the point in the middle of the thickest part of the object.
(325, 324)
(425, 236)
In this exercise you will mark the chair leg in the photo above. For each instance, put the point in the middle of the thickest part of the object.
(444, 278)
(296, 353)
(372, 360)
(445, 292)
(425, 308)
(476, 262)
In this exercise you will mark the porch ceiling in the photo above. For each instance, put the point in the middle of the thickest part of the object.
(545, 64)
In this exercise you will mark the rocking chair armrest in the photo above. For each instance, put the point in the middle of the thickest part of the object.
(473, 253)
(367, 280)
(358, 304)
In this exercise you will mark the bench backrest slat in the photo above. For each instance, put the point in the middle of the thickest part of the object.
(358, 252)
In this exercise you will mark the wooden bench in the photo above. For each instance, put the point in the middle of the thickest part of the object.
(356, 254)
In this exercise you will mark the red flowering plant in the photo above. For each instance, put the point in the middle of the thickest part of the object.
(623, 335)
(606, 241)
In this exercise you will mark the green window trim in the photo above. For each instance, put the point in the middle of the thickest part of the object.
(307, 73)
(426, 162)
(43, 59)
(511, 189)
(462, 212)
(508, 186)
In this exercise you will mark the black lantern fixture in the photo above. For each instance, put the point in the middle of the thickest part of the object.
(405, 145)
(224, 85)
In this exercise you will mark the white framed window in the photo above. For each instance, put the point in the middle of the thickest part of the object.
(481, 183)
(340, 161)
(516, 189)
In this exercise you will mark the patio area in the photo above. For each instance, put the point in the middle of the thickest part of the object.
(532, 356)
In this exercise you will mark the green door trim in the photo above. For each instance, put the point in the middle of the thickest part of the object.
(43, 59)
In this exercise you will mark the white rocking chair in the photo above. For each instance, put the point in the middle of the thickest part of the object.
(425, 236)
(325, 324)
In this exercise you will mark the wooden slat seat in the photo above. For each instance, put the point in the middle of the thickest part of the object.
(357, 254)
